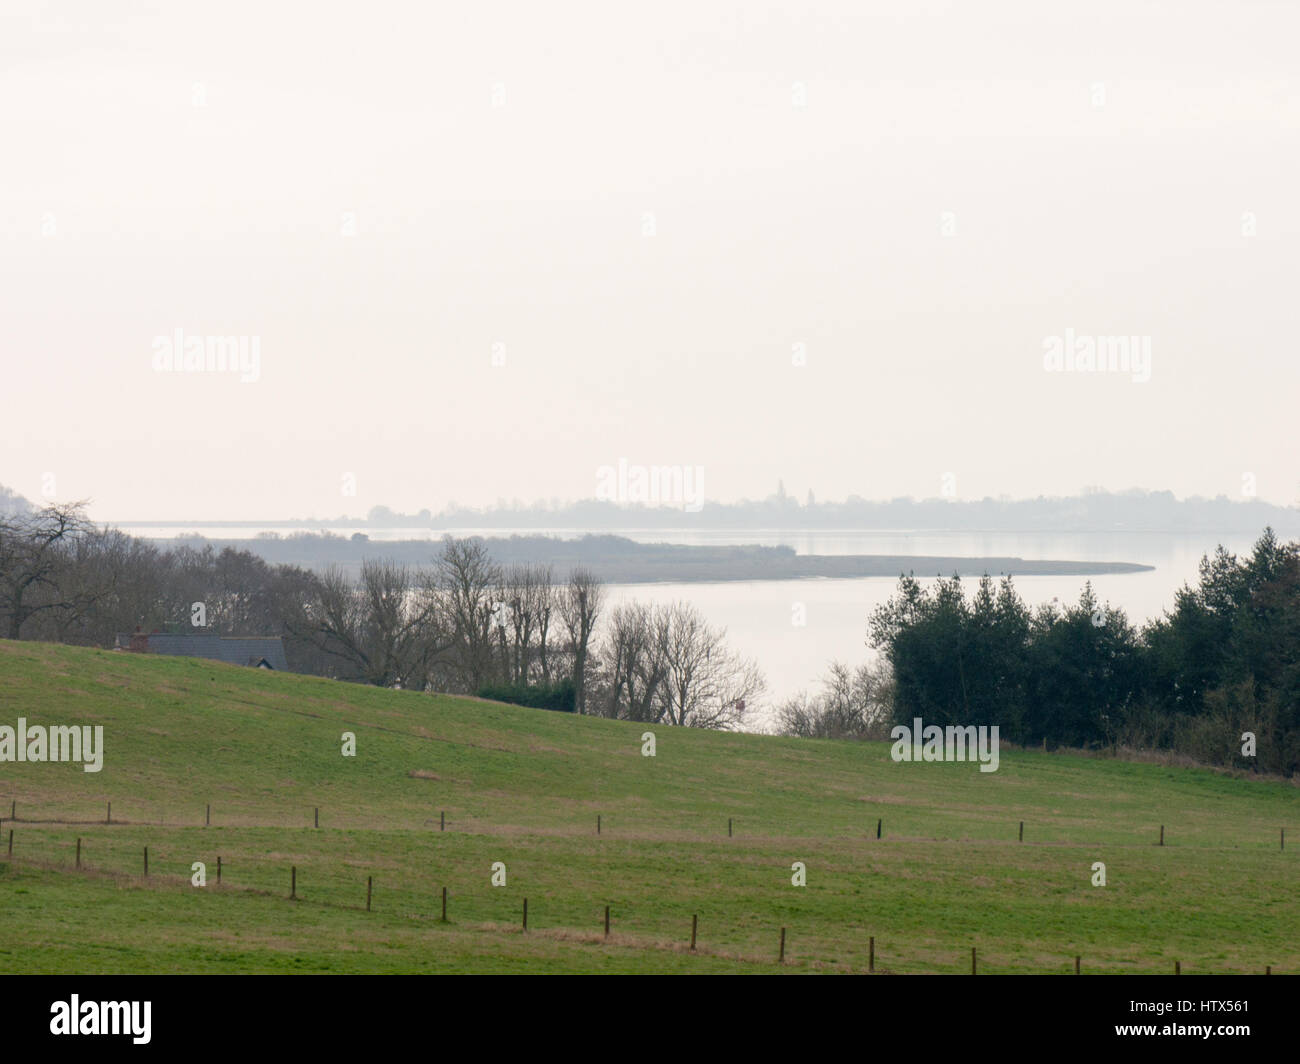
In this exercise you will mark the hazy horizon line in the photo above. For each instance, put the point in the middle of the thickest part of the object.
(789, 502)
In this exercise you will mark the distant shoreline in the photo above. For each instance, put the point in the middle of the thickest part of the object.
(617, 560)
(1125, 512)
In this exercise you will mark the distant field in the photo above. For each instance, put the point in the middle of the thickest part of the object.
(524, 787)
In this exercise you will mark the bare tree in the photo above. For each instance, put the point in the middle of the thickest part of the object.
(580, 604)
(109, 576)
(854, 704)
(466, 577)
(524, 605)
(543, 605)
(36, 571)
(634, 662)
(383, 629)
(705, 685)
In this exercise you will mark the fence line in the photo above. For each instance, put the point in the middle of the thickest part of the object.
(326, 887)
(628, 941)
(576, 832)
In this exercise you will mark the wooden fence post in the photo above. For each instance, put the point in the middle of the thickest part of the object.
(597, 823)
(293, 882)
(442, 824)
(1178, 968)
(1022, 831)
(694, 924)
(109, 818)
(318, 816)
(1162, 834)
(78, 853)
(972, 960)
(1076, 964)
(728, 827)
(444, 905)
(781, 956)
(878, 823)
(207, 817)
(525, 914)
(369, 883)
(218, 870)
(146, 860)
(871, 955)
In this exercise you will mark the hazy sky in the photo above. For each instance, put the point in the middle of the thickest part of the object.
(649, 216)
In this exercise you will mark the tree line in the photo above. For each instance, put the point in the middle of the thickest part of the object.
(1223, 662)
(462, 624)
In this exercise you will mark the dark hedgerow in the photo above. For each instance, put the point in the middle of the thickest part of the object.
(557, 696)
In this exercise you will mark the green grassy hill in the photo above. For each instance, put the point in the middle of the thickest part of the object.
(525, 787)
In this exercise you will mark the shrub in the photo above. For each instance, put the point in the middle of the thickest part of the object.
(555, 696)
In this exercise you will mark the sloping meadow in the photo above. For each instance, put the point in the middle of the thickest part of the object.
(738, 835)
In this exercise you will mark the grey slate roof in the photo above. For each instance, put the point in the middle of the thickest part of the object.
(234, 650)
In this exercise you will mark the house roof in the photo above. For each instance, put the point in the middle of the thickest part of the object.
(232, 649)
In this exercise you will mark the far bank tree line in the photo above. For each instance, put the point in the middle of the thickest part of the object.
(463, 624)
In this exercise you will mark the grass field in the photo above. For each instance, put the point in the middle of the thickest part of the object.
(525, 787)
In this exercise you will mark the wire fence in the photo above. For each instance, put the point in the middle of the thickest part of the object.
(331, 877)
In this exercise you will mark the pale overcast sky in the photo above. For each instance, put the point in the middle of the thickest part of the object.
(647, 217)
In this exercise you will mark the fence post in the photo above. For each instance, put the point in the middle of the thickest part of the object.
(207, 817)
(78, 853)
(293, 882)
(728, 827)
(318, 816)
(871, 955)
(1268, 969)
(442, 825)
(525, 914)
(109, 818)
(1178, 968)
(444, 905)
(878, 822)
(781, 956)
(972, 960)
(1022, 831)
(1076, 964)
(369, 883)
(597, 823)
(218, 870)
(1162, 834)
(694, 924)
(607, 921)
